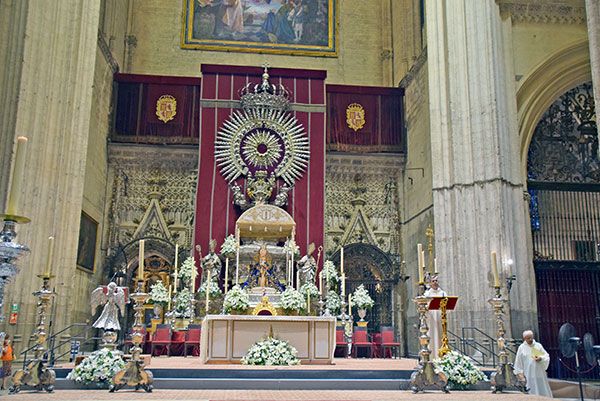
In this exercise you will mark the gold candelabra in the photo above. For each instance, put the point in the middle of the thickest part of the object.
(445, 348)
(134, 374)
(425, 373)
(35, 374)
(504, 375)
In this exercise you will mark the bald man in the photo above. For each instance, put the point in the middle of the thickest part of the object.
(532, 360)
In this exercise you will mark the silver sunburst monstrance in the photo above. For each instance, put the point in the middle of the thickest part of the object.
(262, 142)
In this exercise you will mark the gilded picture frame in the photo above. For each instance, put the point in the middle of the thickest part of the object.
(289, 27)
(86, 249)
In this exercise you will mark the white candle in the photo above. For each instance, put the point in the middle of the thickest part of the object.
(321, 282)
(169, 304)
(237, 258)
(435, 270)
(176, 275)
(343, 285)
(49, 260)
(140, 271)
(298, 280)
(307, 302)
(207, 289)
(226, 274)
(342, 260)
(17, 174)
(350, 304)
(495, 271)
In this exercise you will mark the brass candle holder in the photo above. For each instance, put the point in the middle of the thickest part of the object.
(134, 374)
(425, 374)
(504, 376)
(36, 374)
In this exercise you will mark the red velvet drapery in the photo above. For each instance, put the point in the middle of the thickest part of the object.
(215, 213)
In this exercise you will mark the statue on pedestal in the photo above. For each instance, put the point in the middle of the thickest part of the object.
(113, 298)
(308, 266)
(262, 272)
(211, 261)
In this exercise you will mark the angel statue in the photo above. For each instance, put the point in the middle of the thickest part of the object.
(113, 299)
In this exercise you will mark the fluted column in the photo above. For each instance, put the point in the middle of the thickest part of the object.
(53, 110)
(592, 10)
(477, 189)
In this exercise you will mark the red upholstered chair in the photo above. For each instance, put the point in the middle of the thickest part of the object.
(341, 343)
(177, 343)
(389, 344)
(192, 339)
(360, 339)
(161, 340)
(376, 350)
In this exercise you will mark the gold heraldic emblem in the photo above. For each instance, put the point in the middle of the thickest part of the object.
(355, 116)
(166, 108)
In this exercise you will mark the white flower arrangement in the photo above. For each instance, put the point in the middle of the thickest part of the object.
(186, 269)
(271, 352)
(362, 299)
(183, 303)
(330, 273)
(459, 370)
(99, 367)
(213, 292)
(159, 293)
(292, 299)
(229, 246)
(333, 302)
(310, 288)
(290, 247)
(236, 299)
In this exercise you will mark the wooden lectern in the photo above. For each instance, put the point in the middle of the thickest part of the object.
(443, 304)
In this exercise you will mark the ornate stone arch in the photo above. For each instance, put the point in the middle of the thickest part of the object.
(560, 72)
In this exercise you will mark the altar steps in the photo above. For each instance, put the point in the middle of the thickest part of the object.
(268, 379)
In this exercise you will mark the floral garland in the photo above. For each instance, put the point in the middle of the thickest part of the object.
(99, 367)
(183, 303)
(459, 370)
(214, 291)
(292, 299)
(333, 302)
(362, 299)
(236, 299)
(310, 288)
(186, 269)
(271, 352)
(159, 293)
(229, 246)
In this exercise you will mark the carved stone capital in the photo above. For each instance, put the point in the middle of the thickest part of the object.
(544, 11)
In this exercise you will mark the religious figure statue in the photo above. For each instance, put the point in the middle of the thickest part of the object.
(435, 317)
(263, 265)
(308, 265)
(113, 299)
(211, 262)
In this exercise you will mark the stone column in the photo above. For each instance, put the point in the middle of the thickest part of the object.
(53, 110)
(477, 189)
(592, 11)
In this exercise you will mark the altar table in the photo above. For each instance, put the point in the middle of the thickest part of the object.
(227, 338)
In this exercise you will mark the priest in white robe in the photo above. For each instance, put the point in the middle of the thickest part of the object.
(532, 360)
(435, 318)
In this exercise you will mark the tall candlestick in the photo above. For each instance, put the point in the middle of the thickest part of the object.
(15, 187)
(140, 271)
(495, 271)
(49, 260)
(226, 274)
(342, 260)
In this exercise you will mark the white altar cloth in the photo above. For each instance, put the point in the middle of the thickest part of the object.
(227, 338)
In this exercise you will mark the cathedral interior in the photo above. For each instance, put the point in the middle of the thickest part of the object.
(467, 126)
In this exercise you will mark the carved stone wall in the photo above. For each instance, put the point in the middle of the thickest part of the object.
(544, 11)
(361, 201)
(153, 191)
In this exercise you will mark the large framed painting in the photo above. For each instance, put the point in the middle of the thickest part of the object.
(86, 250)
(296, 27)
